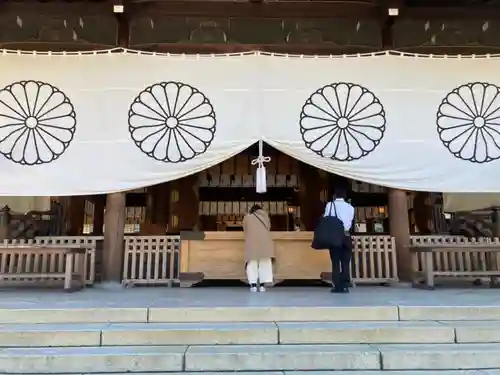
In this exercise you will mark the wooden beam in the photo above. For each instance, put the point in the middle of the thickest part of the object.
(307, 9)
(451, 50)
(55, 46)
(485, 12)
(250, 9)
(294, 49)
(389, 20)
(54, 7)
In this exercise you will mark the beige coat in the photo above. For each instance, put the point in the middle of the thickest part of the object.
(258, 241)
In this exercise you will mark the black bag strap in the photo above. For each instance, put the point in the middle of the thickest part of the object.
(332, 204)
(262, 222)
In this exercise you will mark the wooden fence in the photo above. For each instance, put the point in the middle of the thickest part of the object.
(155, 259)
(151, 260)
(374, 260)
(46, 261)
(457, 261)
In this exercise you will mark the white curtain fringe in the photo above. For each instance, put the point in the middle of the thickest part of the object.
(248, 53)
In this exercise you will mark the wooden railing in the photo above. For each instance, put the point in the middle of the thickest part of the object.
(155, 260)
(52, 261)
(456, 261)
(374, 260)
(151, 260)
(42, 265)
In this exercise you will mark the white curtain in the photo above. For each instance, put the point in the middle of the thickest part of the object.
(78, 125)
(97, 123)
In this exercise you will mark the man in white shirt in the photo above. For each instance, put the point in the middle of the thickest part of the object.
(341, 255)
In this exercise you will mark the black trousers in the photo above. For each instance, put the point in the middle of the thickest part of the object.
(341, 259)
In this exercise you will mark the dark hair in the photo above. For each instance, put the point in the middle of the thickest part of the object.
(254, 208)
(339, 193)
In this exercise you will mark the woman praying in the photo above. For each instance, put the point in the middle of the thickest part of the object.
(259, 249)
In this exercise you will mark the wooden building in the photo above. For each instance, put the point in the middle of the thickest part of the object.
(215, 199)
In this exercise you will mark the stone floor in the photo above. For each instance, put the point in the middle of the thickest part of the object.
(116, 296)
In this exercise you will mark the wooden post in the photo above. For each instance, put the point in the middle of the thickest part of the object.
(184, 204)
(150, 205)
(495, 219)
(399, 227)
(4, 223)
(98, 222)
(311, 206)
(423, 212)
(76, 216)
(114, 221)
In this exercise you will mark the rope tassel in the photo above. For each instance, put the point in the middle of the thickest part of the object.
(260, 175)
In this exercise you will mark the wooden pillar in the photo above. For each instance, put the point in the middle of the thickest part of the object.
(422, 210)
(114, 221)
(98, 222)
(311, 206)
(76, 216)
(399, 227)
(184, 204)
(160, 204)
(150, 205)
(495, 219)
(163, 211)
(4, 223)
(114, 217)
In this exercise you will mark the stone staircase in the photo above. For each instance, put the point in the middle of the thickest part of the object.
(361, 340)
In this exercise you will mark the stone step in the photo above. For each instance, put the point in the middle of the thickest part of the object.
(251, 358)
(439, 356)
(475, 331)
(281, 358)
(382, 372)
(456, 313)
(199, 314)
(190, 334)
(343, 357)
(92, 359)
(366, 332)
(376, 372)
(248, 314)
(157, 334)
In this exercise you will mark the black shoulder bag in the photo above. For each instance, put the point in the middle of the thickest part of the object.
(329, 232)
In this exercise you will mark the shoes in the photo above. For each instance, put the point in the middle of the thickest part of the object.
(254, 288)
(343, 290)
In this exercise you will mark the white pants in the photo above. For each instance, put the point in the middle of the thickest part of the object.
(260, 271)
